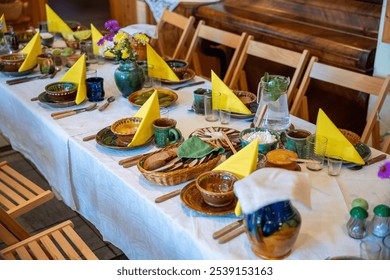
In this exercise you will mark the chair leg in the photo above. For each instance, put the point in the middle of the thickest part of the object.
(386, 144)
(375, 142)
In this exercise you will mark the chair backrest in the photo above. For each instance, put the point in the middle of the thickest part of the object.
(293, 59)
(359, 82)
(18, 194)
(221, 37)
(185, 24)
(60, 242)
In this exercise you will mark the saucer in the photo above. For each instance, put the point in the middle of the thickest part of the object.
(186, 76)
(108, 139)
(192, 198)
(253, 109)
(18, 74)
(45, 98)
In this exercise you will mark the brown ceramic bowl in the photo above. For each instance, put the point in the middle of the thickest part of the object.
(246, 97)
(70, 60)
(177, 65)
(125, 129)
(61, 91)
(216, 187)
(11, 62)
(280, 158)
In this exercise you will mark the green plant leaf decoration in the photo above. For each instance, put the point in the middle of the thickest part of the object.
(274, 86)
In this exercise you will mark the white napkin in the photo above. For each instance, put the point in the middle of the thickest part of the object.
(147, 29)
(269, 185)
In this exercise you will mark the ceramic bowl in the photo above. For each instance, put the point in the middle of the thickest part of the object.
(216, 187)
(125, 129)
(69, 60)
(280, 158)
(248, 98)
(11, 62)
(177, 65)
(249, 134)
(61, 91)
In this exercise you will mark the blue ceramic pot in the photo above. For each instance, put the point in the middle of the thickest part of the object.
(129, 77)
(273, 229)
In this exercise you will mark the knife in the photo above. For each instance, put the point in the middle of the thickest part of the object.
(188, 85)
(63, 114)
(227, 229)
(368, 162)
(26, 79)
(232, 234)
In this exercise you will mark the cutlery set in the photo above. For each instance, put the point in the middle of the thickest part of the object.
(229, 232)
(67, 113)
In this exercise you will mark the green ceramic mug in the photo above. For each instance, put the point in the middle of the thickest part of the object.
(295, 140)
(165, 132)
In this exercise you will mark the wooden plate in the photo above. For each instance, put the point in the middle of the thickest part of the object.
(108, 139)
(185, 76)
(192, 198)
(214, 135)
(161, 91)
(46, 99)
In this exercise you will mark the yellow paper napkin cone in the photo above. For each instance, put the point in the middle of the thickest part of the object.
(77, 74)
(96, 36)
(337, 145)
(32, 50)
(55, 23)
(224, 98)
(149, 112)
(3, 24)
(157, 67)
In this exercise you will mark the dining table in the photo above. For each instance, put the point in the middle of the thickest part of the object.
(120, 202)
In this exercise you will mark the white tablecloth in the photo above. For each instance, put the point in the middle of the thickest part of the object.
(120, 202)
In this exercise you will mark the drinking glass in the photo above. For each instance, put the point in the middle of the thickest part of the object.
(370, 249)
(315, 151)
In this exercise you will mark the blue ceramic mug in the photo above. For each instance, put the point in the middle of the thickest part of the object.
(95, 89)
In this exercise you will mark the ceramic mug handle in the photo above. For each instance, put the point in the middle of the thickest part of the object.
(175, 134)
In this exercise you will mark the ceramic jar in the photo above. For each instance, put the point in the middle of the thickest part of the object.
(129, 77)
(272, 230)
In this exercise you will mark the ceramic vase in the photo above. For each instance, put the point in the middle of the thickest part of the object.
(273, 230)
(129, 77)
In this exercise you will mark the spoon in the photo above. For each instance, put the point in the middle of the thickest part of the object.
(56, 70)
(105, 105)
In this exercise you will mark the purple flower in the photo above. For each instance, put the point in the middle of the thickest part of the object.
(112, 25)
(384, 170)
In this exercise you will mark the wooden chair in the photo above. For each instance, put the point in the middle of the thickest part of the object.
(221, 37)
(60, 242)
(296, 60)
(18, 194)
(184, 24)
(359, 82)
(386, 144)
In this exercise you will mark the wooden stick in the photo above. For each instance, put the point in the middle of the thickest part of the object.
(303, 160)
(167, 196)
(261, 116)
(229, 142)
(90, 137)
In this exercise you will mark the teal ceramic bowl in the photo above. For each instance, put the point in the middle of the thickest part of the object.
(262, 147)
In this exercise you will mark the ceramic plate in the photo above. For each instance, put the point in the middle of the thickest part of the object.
(214, 135)
(46, 99)
(192, 198)
(107, 139)
(166, 97)
(184, 77)
(253, 109)
(18, 74)
(363, 150)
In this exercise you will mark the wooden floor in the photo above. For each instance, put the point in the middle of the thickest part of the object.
(54, 211)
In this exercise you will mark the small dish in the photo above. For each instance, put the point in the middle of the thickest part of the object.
(214, 135)
(125, 129)
(246, 97)
(216, 187)
(253, 108)
(184, 77)
(192, 198)
(177, 65)
(61, 91)
(259, 133)
(11, 62)
(46, 99)
(166, 97)
(106, 138)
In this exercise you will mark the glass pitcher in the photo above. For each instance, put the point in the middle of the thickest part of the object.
(272, 90)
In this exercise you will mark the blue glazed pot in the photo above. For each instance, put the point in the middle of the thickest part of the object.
(129, 78)
(273, 229)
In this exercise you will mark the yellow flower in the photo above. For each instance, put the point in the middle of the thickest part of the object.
(125, 54)
(142, 38)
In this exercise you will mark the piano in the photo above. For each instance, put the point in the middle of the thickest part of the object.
(340, 32)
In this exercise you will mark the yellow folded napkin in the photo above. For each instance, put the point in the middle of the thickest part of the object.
(157, 67)
(224, 98)
(96, 36)
(32, 50)
(337, 145)
(149, 112)
(77, 74)
(3, 24)
(55, 23)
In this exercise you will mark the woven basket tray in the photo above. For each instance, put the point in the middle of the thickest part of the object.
(178, 176)
(352, 137)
